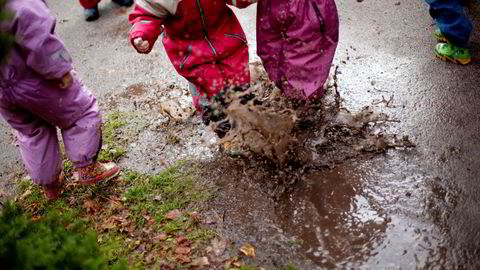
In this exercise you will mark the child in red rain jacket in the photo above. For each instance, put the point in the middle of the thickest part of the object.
(203, 40)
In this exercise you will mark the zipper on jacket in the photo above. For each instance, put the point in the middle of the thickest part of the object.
(244, 40)
(320, 19)
(205, 31)
(185, 58)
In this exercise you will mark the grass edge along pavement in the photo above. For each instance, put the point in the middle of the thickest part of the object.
(137, 220)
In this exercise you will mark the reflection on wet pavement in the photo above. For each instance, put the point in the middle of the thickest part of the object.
(369, 215)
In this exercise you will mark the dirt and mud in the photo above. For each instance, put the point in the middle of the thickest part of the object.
(402, 208)
(273, 195)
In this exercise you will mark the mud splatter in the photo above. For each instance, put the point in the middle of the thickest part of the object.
(321, 132)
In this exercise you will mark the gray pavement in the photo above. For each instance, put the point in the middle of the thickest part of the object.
(429, 199)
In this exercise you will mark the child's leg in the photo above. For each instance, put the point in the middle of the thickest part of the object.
(75, 112)
(452, 20)
(38, 144)
(87, 4)
(91, 9)
(236, 68)
(200, 102)
(83, 138)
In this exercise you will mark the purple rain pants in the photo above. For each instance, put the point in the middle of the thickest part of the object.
(32, 102)
(35, 115)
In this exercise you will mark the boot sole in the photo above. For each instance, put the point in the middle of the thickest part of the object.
(453, 60)
(107, 177)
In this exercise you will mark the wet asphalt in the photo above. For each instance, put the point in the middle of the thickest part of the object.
(405, 209)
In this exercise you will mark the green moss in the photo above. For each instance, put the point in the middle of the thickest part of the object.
(288, 267)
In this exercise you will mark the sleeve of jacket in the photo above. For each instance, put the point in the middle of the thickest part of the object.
(241, 3)
(33, 27)
(147, 19)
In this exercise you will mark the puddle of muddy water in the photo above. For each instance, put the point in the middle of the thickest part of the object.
(348, 202)
(369, 214)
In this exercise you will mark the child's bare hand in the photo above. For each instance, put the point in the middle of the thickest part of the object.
(66, 81)
(141, 45)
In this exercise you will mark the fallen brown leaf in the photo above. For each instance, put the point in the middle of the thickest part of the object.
(174, 214)
(195, 216)
(181, 258)
(26, 193)
(219, 246)
(159, 237)
(90, 206)
(182, 250)
(202, 261)
(182, 241)
(248, 250)
(150, 258)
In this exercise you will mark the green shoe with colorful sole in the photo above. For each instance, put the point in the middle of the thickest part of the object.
(452, 53)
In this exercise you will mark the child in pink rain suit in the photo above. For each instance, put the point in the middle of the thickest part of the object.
(296, 41)
(39, 93)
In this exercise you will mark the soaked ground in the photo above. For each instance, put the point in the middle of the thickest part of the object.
(384, 208)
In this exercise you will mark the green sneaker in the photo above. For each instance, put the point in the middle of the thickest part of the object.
(452, 53)
(439, 35)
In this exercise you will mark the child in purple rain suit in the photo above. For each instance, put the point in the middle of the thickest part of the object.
(38, 92)
(296, 41)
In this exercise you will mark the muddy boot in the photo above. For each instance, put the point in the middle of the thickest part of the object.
(97, 172)
(91, 14)
(52, 191)
(123, 3)
(452, 53)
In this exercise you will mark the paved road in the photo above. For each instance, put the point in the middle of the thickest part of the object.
(428, 198)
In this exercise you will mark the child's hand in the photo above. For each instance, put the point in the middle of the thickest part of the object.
(66, 81)
(141, 45)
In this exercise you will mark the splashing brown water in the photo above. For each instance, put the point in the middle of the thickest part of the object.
(320, 132)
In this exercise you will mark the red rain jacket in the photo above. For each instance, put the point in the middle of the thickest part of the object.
(203, 40)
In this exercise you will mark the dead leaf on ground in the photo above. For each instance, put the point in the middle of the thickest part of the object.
(248, 250)
(26, 193)
(182, 241)
(159, 237)
(182, 258)
(219, 246)
(182, 250)
(195, 216)
(174, 214)
(202, 261)
(36, 218)
(150, 258)
(90, 206)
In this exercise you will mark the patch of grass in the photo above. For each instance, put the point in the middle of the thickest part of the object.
(288, 267)
(246, 267)
(201, 234)
(169, 190)
(128, 212)
(112, 150)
